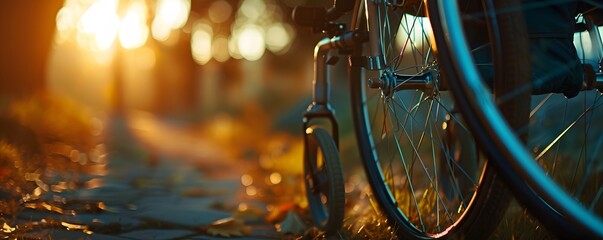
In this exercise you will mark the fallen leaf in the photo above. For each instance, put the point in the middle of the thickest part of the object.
(229, 227)
(71, 226)
(280, 212)
(7, 228)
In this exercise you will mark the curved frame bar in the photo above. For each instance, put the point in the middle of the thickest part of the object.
(509, 142)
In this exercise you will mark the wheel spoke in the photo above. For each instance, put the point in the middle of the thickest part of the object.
(568, 128)
(432, 182)
(408, 142)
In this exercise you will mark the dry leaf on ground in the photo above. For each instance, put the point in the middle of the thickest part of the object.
(280, 212)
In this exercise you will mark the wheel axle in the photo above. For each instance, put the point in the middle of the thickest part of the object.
(426, 81)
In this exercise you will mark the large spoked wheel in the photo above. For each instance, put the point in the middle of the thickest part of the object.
(323, 177)
(552, 159)
(427, 178)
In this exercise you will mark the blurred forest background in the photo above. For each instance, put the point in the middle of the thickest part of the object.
(236, 73)
(89, 87)
(228, 62)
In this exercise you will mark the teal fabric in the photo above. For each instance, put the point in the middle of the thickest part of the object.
(555, 64)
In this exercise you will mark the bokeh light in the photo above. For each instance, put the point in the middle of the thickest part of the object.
(201, 42)
(251, 191)
(279, 37)
(160, 32)
(170, 15)
(251, 43)
(220, 11)
(95, 25)
(133, 31)
(98, 26)
(173, 13)
(66, 23)
(275, 178)
(259, 26)
(253, 9)
(233, 46)
(246, 180)
(220, 49)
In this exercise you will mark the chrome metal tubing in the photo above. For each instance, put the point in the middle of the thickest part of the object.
(376, 60)
(320, 83)
(423, 82)
(321, 90)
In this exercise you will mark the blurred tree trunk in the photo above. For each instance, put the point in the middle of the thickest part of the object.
(176, 85)
(26, 30)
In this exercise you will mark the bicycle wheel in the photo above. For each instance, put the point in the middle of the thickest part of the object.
(419, 157)
(554, 165)
(323, 176)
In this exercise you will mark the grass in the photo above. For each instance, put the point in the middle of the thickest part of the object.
(518, 224)
(363, 219)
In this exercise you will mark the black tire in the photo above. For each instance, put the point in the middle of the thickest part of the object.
(535, 183)
(324, 183)
(476, 210)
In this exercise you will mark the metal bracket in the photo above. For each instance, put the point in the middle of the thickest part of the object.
(322, 111)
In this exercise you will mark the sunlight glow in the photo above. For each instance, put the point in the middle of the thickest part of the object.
(251, 43)
(420, 34)
(95, 24)
(98, 26)
(170, 15)
(66, 22)
(133, 31)
(145, 58)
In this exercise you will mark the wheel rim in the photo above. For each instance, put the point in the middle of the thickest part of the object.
(317, 183)
(517, 163)
(411, 142)
(323, 180)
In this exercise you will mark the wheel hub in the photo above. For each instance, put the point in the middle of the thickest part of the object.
(389, 82)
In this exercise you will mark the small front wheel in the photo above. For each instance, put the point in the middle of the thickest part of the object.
(323, 177)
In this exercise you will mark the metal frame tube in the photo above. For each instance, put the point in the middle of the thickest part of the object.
(373, 11)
